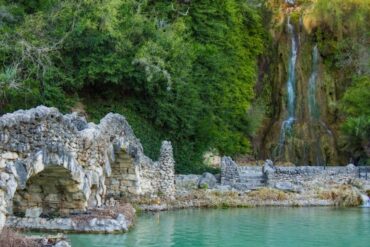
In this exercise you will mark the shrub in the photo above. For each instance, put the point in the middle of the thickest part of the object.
(269, 194)
(343, 196)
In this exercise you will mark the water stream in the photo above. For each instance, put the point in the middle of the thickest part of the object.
(291, 88)
(365, 201)
(312, 85)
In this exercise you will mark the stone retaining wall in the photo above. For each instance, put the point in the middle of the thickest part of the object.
(47, 158)
(294, 177)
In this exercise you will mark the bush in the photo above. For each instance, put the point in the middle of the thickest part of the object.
(343, 196)
(269, 194)
(356, 129)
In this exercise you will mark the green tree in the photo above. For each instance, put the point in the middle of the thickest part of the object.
(356, 128)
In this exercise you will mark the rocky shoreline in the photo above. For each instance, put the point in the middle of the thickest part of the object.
(110, 219)
(60, 173)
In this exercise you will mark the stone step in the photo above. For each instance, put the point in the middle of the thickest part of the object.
(252, 181)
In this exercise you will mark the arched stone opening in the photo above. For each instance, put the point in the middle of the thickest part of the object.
(52, 192)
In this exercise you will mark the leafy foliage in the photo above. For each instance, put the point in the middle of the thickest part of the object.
(356, 129)
(178, 70)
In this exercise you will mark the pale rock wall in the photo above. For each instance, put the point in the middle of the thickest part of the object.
(40, 140)
(290, 178)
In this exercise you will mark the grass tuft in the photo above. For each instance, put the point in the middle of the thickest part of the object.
(269, 194)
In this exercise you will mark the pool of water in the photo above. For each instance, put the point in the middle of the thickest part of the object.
(277, 227)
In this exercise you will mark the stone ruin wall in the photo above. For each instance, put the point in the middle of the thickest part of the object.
(296, 178)
(60, 162)
(309, 173)
(304, 178)
(230, 174)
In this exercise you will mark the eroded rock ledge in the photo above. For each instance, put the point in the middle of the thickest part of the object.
(56, 165)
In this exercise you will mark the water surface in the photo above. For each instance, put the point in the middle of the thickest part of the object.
(280, 227)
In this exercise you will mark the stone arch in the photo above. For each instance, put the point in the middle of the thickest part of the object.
(41, 141)
(53, 191)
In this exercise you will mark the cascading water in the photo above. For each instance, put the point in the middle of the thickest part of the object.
(301, 129)
(290, 2)
(291, 88)
(312, 104)
(365, 201)
(313, 107)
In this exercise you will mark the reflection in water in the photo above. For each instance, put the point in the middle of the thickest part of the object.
(278, 227)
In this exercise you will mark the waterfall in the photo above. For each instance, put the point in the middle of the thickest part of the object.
(291, 88)
(292, 2)
(313, 107)
(365, 201)
(312, 104)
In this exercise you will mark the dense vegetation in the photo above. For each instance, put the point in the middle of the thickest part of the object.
(342, 30)
(179, 70)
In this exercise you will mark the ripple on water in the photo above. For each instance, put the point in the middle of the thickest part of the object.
(277, 227)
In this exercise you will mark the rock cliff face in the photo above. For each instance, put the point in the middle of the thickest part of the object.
(303, 124)
(53, 163)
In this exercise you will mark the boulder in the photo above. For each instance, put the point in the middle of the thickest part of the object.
(207, 180)
(187, 182)
(288, 187)
(351, 166)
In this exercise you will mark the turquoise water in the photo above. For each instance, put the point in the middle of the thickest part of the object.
(280, 227)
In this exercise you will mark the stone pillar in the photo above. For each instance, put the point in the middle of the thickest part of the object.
(229, 171)
(167, 170)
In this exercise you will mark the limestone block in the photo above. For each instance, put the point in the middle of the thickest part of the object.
(2, 163)
(78, 196)
(114, 181)
(34, 188)
(33, 212)
(127, 183)
(49, 188)
(11, 187)
(130, 177)
(132, 190)
(114, 187)
(10, 156)
(4, 176)
(37, 163)
(187, 181)
(52, 198)
(2, 220)
(72, 188)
